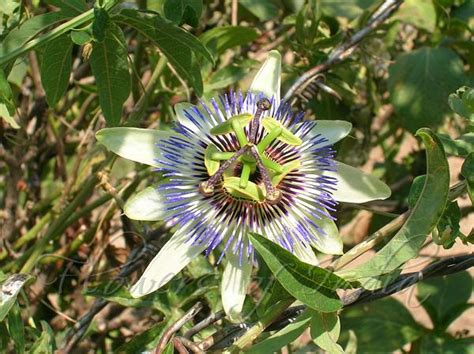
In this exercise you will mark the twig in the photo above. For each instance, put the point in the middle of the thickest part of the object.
(190, 345)
(214, 317)
(179, 346)
(260, 326)
(175, 327)
(344, 50)
(447, 266)
(234, 12)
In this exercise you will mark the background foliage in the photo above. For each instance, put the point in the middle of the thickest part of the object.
(71, 67)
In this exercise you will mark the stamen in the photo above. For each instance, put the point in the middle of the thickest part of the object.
(262, 106)
(207, 187)
(273, 195)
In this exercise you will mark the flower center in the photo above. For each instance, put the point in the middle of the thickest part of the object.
(251, 158)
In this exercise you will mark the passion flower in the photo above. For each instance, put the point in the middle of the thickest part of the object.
(242, 163)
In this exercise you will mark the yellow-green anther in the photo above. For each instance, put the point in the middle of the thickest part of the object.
(226, 127)
(219, 156)
(212, 165)
(239, 132)
(251, 192)
(245, 175)
(268, 139)
(287, 168)
(272, 165)
(286, 136)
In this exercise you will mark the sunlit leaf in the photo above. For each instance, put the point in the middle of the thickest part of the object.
(56, 68)
(311, 285)
(422, 220)
(445, 298)
(110, 67)
(420, 83)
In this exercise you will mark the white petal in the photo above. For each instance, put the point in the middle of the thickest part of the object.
(332, 130)
(267, 80)
(133, 143)
(235, 280)
(172, 258)
(354, 186)
(148, 205)
(179, 109)
(305, 254)
(331, 241)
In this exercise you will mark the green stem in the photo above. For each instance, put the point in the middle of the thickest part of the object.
(31, 234)
(266, 320)
(60, 223)
(142, 103)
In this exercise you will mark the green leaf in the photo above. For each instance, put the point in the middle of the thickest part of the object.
(264, 10)
(467, 170)
(420, 83)
(351, 346)
(7, 106)
(169, 349)
(116, 292)
(382, 326)
(415, 190)
(225, 77)
(46, 343)
(445, 298)
(4, 338)
(348, 8)
(175, 43)
(422, 220)
(445, 344)
(110, 67)
(16, 328)
(145, 340)
(183, 11)
(311, 285)
(460, 146)
(72, 7)
(448, 228)
(283, 337)
(419, 13)
(219, 39)
(29, 29)
(465, 12)
(325, 330)
(100, 24)
(9, 291)
(462, 102)
(276, 294)
(56, 68)
(81, 37)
